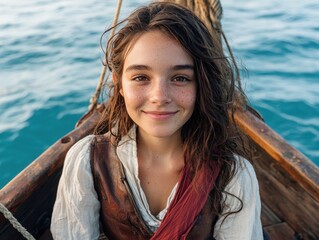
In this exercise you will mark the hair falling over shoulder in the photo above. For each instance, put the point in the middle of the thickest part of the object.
(211, 133)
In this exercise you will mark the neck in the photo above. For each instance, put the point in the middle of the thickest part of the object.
(159, 151)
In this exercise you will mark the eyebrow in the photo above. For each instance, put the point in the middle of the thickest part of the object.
(183, 67)
(146, 67)
(137, 67)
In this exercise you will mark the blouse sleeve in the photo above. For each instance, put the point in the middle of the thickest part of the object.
(246, 224)
(76, 209)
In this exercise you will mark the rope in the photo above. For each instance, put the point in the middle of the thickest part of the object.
(8, 215)
(94, 99)
(211, 13)
(216, 11)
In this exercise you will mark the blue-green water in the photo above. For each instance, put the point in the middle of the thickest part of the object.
(50, 61)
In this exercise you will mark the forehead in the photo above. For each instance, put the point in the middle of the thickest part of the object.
(156, 47)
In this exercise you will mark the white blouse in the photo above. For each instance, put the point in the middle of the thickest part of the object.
(76, 210)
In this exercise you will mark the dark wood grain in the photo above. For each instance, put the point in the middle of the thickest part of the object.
(288, 180)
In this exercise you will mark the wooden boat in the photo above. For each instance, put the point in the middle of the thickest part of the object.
(289, 184)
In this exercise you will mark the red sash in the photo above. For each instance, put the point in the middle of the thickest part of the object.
(189, 200)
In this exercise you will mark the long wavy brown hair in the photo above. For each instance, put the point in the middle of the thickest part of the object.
(210, 134)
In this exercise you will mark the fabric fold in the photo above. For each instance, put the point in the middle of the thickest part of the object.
(189, 200)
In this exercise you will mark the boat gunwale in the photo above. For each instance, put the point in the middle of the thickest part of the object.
(34, 176)
(299, 167)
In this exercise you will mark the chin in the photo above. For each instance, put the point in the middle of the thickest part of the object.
(161, 132)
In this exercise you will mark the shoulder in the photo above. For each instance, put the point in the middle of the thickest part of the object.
(76, 208)
(80, 151)
(78, 155)
(244, 170)
(241, 197)
(80, 147)
(244, 183)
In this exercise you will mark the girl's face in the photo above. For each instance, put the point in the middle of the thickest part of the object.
(158, 85)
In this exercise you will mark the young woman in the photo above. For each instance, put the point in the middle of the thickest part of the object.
(165, 160)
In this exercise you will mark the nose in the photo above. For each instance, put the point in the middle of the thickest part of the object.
(160, 92)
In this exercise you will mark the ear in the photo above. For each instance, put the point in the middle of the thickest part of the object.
(115, 79)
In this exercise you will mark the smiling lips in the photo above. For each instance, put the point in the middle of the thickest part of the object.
(160, 115)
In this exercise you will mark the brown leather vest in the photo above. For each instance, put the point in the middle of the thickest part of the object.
(119, 215)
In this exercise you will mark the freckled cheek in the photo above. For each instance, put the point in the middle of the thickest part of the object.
(187, 97)
(133, 97)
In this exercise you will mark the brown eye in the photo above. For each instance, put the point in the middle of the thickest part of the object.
(140, 78)
(181, 79)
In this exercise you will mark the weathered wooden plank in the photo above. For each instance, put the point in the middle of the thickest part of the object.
(19, 189)
(31, 194)
(268, 217)
(299, 167)
(286, 198)
(35, 213)
(285, 192)
(280, 231)
(46, 235)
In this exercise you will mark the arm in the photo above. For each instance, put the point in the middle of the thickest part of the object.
(246, 224)
(76, 210)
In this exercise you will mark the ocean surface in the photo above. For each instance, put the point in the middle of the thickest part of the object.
(50, 62)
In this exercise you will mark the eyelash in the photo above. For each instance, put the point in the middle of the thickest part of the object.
(139, 78)
(142, 78)
(181, 79)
